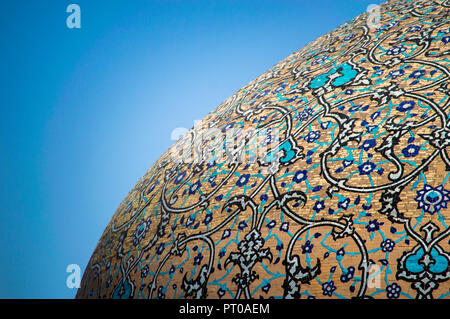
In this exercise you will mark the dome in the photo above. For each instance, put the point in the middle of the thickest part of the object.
(325, 177)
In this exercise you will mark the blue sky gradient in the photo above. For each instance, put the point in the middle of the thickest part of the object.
(85, 112)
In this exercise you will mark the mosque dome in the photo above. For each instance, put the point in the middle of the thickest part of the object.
(325, 177)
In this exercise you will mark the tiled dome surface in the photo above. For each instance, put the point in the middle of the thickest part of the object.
(326, 177)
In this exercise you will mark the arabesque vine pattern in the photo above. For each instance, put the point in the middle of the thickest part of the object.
(350, 201)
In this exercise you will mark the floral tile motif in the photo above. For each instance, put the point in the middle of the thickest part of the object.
(325, 177)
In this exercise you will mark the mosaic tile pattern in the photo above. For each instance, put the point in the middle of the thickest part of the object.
(325, 177)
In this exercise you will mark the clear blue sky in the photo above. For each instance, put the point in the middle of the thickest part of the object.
(86, 112)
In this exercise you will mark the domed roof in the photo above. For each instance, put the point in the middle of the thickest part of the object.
(326, 177)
